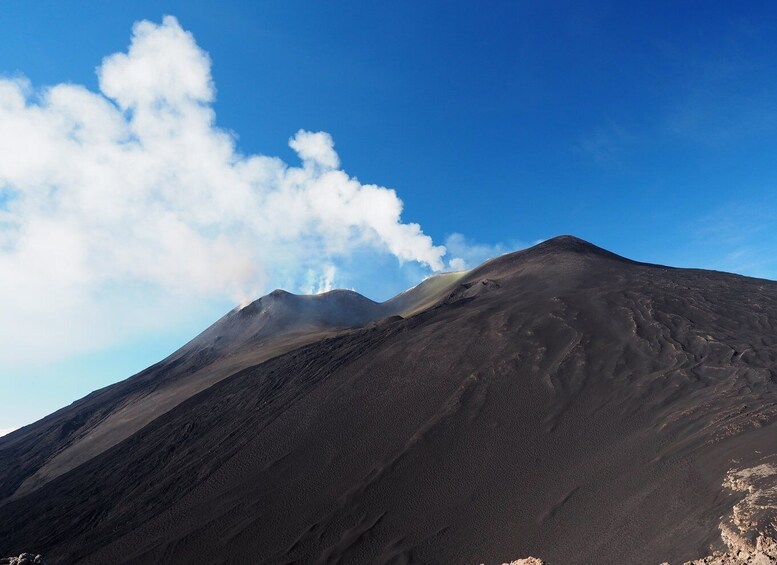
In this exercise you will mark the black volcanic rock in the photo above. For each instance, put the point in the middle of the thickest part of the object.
(560, 401)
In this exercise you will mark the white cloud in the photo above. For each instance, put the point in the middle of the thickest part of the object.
(315, 149)
(119, 206)
(467, 254)
(6, 431)
(457, 264)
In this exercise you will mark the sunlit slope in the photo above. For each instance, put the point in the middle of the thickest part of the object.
(270, 326)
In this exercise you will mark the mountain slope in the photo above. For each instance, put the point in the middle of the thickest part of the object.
(560, 401)
(270, 326)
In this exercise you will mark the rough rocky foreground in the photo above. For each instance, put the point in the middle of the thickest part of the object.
(23, 559)
(749, 532)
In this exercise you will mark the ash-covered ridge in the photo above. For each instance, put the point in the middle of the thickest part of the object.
(561, 402)
(270, 326)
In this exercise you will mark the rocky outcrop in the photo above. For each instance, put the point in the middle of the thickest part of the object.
(527, 561)
(749, 532)
(23, 559)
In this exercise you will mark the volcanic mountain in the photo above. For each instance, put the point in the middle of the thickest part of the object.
(560, 401)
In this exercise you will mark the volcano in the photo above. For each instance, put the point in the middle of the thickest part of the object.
(560, 401)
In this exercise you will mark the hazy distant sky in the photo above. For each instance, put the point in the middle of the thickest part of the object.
(648, 128)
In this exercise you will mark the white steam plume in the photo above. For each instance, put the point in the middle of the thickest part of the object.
(132, 195)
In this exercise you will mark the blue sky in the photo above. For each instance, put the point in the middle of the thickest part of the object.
(648, 128)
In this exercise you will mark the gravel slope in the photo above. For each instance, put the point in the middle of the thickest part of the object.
(561, 402)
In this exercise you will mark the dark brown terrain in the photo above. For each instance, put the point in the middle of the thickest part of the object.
(560, 401)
